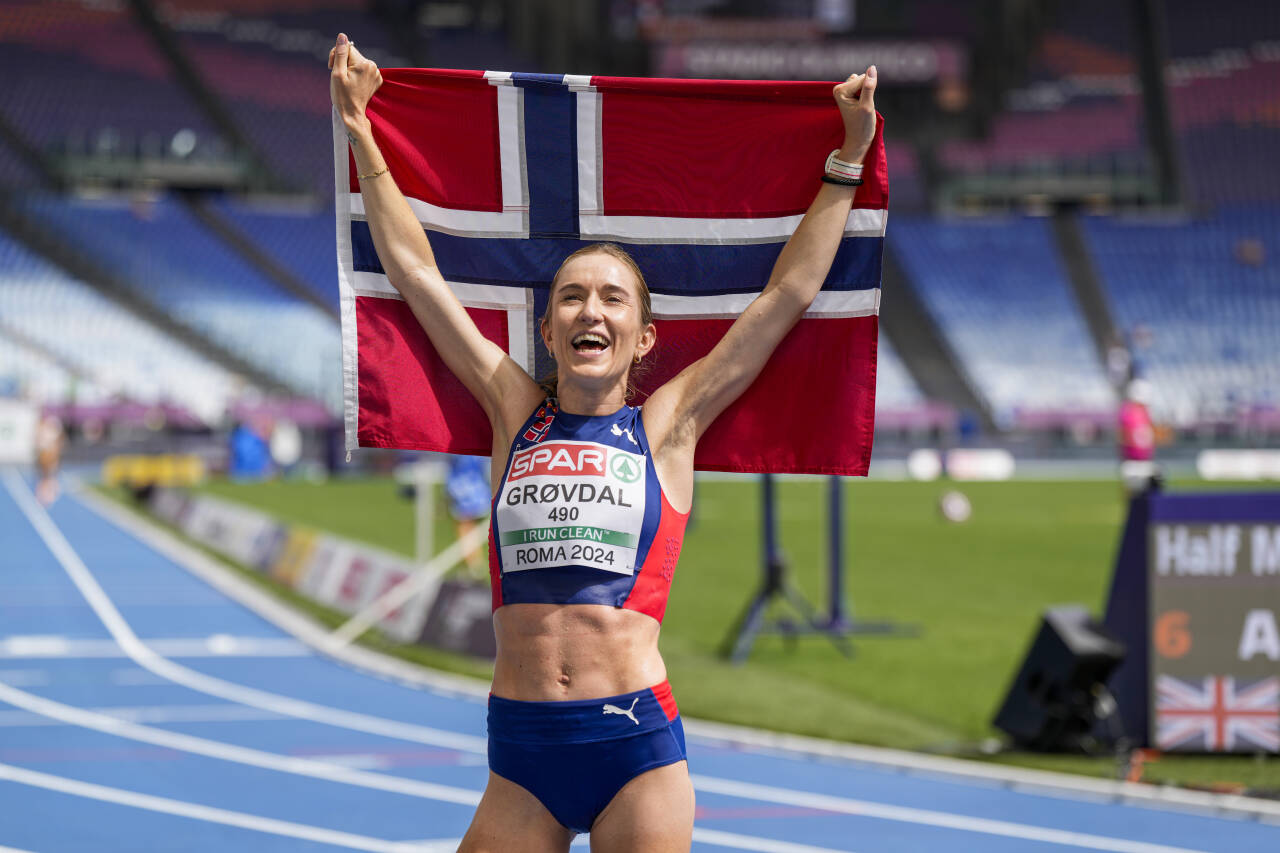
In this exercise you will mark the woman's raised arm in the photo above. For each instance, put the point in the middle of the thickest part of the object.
(502, 387)
(679, 412)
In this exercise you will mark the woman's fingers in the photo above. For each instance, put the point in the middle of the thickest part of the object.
(848, 90)
(859, 88)
(868, 94)
(353, 79)
(340, 59)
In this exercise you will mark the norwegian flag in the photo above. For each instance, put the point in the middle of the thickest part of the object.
(701, 181)
(1218, 714)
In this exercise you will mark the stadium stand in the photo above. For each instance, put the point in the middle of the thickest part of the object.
(167, 258)
(906, 183)
(895, 389)
(1079, 109)
(1200, 302)
(128, 358)
(27, 373)
(1223, 79)
(266, 62)
(300, 237)
(92, 82)
(996, 288)
(14, 172)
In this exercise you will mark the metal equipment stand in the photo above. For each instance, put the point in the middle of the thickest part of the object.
(805, 619)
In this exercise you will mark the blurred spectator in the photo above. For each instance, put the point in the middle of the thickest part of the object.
(250, 457)
(1137, 436)
(468, 491)
(50, 439)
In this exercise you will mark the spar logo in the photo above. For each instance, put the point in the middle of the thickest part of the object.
(559, 458)
(625, 468)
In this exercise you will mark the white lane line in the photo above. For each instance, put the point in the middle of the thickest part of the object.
(209, 814)
(951, 770)
(145, 657)
(145, 713)
(325, 770)
(709, 837)
(271, 609)
(735, 841)
(925, 817)
(237, 754)
(119, 628)
(217, 645)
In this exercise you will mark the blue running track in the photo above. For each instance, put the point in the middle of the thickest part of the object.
(141, 709)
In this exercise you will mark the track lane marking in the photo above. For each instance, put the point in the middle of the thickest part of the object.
(927, 817)
(736, 841)
(324, 770)
(952, 771)
(124, 635)
(34, 646)
(148, 659)
(228, 713)
(236, 754)
(217, 749)
(209, 814)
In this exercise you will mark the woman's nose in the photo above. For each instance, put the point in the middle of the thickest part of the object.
(592, 309)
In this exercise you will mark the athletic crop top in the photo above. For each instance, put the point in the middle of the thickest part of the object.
(581, 518)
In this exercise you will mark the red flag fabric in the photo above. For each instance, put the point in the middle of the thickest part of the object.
(702, 181)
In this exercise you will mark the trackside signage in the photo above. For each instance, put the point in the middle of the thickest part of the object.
(1213, 569)
(341, 574)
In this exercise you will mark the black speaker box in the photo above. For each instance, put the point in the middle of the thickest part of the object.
(1051, 703)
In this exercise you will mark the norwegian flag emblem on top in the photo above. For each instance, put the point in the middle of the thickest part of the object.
(701, 181)
(1218, 714)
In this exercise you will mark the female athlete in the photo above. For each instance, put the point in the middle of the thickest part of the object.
(590, 503)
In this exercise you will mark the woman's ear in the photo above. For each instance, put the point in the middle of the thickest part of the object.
(648, 340)
(544, 329)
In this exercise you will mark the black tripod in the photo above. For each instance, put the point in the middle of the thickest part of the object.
(806, 619)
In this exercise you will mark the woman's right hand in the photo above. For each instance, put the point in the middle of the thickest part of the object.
(353, 80)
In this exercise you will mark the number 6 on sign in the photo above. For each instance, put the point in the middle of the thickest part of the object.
(1173, 634)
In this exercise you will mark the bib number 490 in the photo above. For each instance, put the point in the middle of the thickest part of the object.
(563, 513)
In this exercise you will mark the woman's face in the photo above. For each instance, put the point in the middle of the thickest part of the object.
(593, 322)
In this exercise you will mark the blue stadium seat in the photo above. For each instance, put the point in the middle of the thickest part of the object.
(158, 249)
(123, 356)
(300, 238)
(997, 290)
(895, 389)
(1200, 302)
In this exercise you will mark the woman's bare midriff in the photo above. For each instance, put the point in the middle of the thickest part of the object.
(556, 652)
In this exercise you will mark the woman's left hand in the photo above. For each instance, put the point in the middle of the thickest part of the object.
(856, 99)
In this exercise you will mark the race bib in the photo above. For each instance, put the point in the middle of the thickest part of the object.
(572, 503)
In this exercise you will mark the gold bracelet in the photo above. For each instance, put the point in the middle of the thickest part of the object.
(382, 171)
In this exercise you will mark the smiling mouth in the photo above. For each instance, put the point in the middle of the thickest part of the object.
(589, 342)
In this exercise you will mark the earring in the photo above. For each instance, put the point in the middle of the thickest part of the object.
(636, 360)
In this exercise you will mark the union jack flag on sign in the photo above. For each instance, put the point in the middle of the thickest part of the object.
(701, 181)
(1218, 714)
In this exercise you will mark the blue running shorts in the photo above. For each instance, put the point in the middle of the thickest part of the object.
(575, 756)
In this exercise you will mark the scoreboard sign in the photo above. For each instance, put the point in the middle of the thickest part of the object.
(1210, 566)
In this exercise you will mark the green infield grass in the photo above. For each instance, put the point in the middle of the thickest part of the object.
(974, 591)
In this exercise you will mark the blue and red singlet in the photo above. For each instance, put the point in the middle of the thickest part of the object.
(581, 518)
